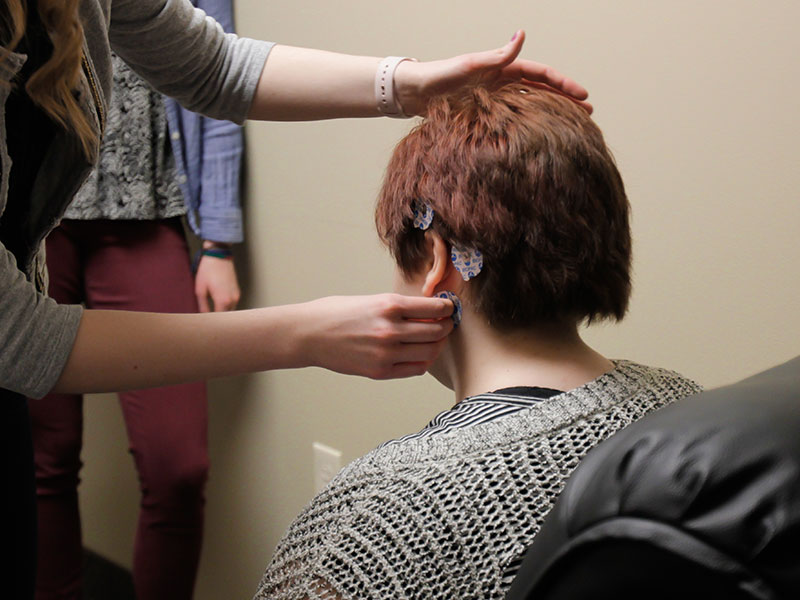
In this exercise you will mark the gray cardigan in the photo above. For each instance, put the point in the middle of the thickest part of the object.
(183, 54)
(449, 515)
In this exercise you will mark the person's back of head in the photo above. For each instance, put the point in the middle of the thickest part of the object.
(524, 176)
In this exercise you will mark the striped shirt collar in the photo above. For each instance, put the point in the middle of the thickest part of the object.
(481, 408)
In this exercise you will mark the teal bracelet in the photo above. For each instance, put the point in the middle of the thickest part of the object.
(217, 252)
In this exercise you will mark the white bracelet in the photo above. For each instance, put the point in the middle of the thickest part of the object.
(384, 87)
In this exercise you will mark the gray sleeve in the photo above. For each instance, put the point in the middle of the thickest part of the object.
(37, 334)
(186, 55)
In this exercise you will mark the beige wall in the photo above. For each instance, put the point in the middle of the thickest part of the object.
(698, 101)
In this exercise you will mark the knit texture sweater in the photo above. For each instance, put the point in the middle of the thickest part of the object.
(449, 515)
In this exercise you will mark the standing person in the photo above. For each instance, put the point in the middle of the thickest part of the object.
(55, 79)
(121, 246)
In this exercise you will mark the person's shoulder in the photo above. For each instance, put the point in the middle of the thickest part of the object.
(657, 377)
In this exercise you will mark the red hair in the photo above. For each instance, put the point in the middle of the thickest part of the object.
(524, 176)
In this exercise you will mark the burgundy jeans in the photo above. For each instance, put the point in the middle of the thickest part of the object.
(127, 265)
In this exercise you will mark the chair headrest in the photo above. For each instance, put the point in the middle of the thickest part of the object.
(712, 480)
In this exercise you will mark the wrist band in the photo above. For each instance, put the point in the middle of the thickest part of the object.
(384, 87)
(217, 252)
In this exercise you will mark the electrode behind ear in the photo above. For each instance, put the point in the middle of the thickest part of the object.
(467, 261)
(457, 312)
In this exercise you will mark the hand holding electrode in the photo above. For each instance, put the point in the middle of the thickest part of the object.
(382, 337)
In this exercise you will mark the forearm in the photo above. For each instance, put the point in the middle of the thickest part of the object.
(299, 84)
(303, 84)
(383, 336)
(120, 350)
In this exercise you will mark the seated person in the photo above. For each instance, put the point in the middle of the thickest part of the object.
(509, 201)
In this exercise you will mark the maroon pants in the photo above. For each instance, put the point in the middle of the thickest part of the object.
(127, 265)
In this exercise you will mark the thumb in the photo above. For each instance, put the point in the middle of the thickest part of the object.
(505, 55)
(202, 301)
(495, 60)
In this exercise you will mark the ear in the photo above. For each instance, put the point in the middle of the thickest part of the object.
(441, 275)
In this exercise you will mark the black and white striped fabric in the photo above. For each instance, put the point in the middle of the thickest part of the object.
(482, 408)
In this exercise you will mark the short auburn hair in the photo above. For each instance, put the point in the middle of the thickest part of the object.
(523, 175)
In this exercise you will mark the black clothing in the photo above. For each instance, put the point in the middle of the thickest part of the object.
(698, 500)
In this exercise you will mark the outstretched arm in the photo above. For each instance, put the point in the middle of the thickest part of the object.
(381, 337)
(186, 55)
(302, 84)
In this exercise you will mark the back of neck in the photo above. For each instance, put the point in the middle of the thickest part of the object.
(480, 358)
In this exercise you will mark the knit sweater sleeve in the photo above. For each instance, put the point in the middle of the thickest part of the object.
(408, 522)
(186, 55)
(360, 538)
(37, 333)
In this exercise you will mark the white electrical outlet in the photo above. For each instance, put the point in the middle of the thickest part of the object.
(327, 463)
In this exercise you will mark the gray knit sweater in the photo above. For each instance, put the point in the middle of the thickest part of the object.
(448, 516)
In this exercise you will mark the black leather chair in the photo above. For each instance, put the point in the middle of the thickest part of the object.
(698, 500)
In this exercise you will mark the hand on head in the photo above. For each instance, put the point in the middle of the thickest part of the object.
(417, 82)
